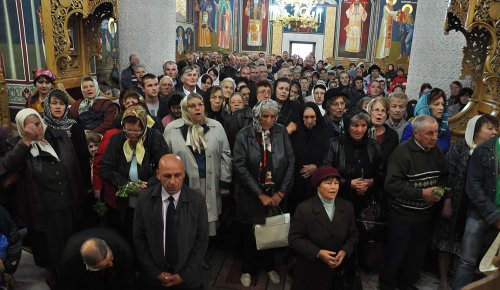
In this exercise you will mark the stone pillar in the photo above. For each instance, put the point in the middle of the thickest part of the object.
(436, 58)
(147, 28)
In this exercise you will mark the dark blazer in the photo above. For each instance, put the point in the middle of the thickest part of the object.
(74, 276)
(246, 159)
(192, 236)
(311, 231)
(164, 109)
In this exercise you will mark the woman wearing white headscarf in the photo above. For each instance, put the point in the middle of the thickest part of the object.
(95, 112)
(203, 147)
(449, 229)
(50, 198)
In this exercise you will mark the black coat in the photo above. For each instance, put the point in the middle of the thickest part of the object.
(75, 276)
(30, 203)
(390, 142)
(192, 236)
(309, 146)
(336, 157)
(289, 112)
(79, 142)
(115, 169)
(310, 231)
(481, 182)
(247, 156)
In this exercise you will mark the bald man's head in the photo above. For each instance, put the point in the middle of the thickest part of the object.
(96, 254)
(171, 173)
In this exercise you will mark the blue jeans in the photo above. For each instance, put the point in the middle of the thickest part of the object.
(475, 231)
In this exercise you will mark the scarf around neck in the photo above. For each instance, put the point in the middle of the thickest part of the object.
(64, 123)
(36, 146)
(147, 122)
(196, 138)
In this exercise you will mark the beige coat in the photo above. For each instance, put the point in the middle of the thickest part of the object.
(218, 162)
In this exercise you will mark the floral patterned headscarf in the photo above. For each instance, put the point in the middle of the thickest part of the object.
(138, 112)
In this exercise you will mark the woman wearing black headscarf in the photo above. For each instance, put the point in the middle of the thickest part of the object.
(310, 143)
(360, 162)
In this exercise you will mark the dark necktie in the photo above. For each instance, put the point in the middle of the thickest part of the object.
(171, 251)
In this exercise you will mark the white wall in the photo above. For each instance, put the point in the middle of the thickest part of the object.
(436, 58)
(317, 38)
(147, 28)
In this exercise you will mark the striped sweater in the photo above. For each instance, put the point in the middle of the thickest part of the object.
(409, 170)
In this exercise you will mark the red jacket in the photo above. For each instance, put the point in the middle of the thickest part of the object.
(108, 192)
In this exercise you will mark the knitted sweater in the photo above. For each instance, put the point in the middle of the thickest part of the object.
(409, 170)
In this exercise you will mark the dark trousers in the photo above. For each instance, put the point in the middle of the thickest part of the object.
(406, 248)
(252, 260)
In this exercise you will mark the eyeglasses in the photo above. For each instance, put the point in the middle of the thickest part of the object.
(132, 132)
(266, 92)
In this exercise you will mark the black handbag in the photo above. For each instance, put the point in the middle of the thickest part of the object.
(373, 219)
(90, 119)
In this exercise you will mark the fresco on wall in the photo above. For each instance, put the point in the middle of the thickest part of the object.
(180, 47)
(214, 24)
(395, 30)
(354, 29)
(254, 25)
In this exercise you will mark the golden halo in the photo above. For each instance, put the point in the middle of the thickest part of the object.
(111, 28)
(407, 6)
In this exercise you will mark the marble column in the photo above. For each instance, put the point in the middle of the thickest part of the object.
(147, 28)
(436, 58)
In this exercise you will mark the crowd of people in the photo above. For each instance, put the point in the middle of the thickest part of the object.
(143, 184)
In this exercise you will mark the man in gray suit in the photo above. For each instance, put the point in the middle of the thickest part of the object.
(171, 230)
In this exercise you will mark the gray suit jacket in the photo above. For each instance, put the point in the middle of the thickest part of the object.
(192, 235)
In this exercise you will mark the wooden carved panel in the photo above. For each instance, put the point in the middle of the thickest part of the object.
(477, 21)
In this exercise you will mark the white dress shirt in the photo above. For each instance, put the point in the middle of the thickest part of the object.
(165, 203)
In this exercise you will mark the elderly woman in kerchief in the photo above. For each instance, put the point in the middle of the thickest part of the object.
(433, 103)
(50, 198)
(132, 156)
(44, 82)
(55, 116)
(95, 112)
(203, 147)
(322, 232)
(264, 168)
(449, 229)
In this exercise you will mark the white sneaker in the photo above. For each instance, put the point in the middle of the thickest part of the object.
(246, 279)
(274, 277)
